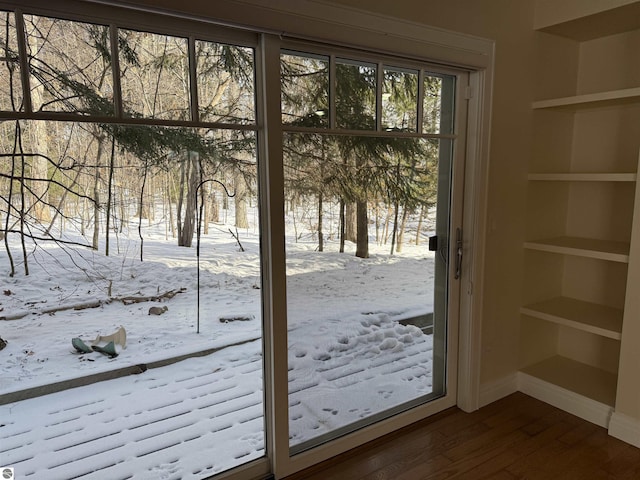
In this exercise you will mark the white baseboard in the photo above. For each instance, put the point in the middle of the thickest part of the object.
(625, 428)
(578, 405)
(494, 391)
(620, 426)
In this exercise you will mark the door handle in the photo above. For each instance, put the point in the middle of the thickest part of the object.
(458, 253)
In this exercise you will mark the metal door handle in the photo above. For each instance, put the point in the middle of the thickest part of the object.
(458, 253)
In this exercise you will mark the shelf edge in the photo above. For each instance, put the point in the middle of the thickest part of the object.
(601, 331)
(579, 252)
(583, 177)
(628, 94)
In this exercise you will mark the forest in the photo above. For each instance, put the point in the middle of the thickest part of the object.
(188, 142)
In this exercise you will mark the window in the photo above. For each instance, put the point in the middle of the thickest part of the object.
(128, 206)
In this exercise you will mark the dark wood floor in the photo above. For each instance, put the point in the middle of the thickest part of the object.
(517, 437)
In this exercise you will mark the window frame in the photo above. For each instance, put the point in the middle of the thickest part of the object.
(298, 461)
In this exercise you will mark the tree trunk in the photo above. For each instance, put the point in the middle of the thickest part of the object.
(342, 221)
(170, 189)
(140, 210)
(151, 200)
(143, 208)
(419, 228)
(206, 206)
(362, 243)
(192, 176)
(112, 160)
(84, 216)
(241, 200)
(181, 194)
(39, 171)
(396, 208)
(39, 165)
(23, 212)
(350, 222)
(124, 216)
(387, 221)
(8, 215)
(215, 209)
(61, 205)
(320, 234)
(378, 224)
(96, 210)
(96, 193)
(403, 225)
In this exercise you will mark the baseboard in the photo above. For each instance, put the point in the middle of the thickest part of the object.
(625, 428)
(501, 388)
(576, 404)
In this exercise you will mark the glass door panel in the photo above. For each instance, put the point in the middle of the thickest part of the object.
(133, 254)
(366, 335)
(367, 241)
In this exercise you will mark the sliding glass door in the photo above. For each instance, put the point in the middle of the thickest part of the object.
(224, 248)
(131, 247)
(368, 150)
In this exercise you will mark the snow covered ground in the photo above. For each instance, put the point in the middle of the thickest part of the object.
(349, 356)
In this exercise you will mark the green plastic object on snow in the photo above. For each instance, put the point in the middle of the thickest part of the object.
(103, 343)
(80, 346)
(108, 349)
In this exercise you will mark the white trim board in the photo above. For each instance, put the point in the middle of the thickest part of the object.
(625, 428)
(619, 426)
(494, 391)
(571, 402)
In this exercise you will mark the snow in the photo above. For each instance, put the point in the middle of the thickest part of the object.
(349, 357)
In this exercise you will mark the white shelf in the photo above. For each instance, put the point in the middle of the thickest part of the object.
(614, 97)
(584, 20)
(586, 316)
(583, 247)
(584, 177)
(585, 380)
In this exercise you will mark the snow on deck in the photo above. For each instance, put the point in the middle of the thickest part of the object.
(169, 422)
(203, 415)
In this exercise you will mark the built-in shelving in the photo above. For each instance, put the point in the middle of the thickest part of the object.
(583, 177)
(599, 99)
(581, 313)
(583, 247)
(591, 382)
(586, 316)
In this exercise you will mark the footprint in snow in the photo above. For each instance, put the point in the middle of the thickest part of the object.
(388, 344)
(385, 393)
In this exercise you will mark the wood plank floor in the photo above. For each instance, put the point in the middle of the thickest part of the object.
(517, 437)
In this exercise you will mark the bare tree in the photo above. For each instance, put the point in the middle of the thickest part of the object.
(190, 179)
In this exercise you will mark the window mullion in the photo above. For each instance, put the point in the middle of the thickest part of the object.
(193, 80)
(24, 64)
(332, 92)
(115, 71)
(272, 233)
(379, 84)
(420, 105)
